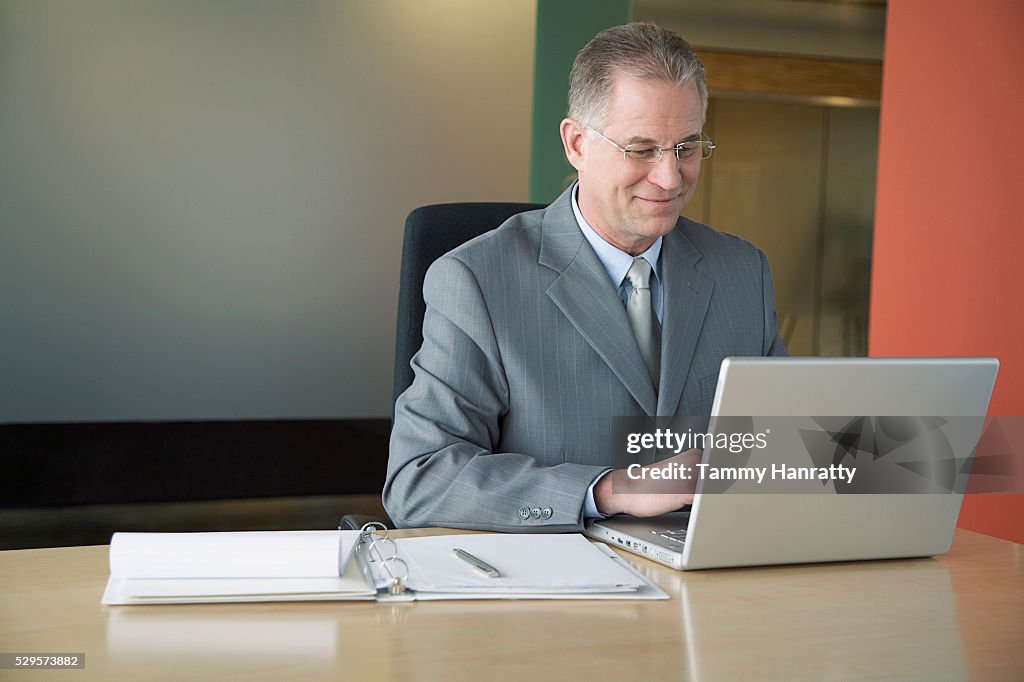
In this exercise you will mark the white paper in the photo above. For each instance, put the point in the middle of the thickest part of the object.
(528, 563)
(349, 586)
(252, 554)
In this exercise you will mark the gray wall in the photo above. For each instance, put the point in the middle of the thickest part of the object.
(201, 203)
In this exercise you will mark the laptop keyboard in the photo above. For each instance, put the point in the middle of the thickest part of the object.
(672, 535)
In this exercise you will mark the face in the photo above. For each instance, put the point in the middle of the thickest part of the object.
(632, 203)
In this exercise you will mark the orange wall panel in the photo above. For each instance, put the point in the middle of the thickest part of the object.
(948, 263)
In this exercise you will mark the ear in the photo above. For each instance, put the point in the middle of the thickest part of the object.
(573, 136)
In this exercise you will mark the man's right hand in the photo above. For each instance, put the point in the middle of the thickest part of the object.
(640, 495)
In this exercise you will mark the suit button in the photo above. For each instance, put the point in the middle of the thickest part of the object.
(545, 513)
(535, 512)
(524, 513)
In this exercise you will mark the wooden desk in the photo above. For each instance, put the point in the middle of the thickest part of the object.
(957, 616)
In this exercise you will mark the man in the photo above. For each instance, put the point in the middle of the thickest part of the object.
(605, 304)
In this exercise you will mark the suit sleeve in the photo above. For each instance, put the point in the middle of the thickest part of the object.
(772, 344)
(444, 468)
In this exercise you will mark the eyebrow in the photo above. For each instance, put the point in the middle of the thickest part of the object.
(636, 139)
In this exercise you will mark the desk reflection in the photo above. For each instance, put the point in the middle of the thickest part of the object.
(193, 632)
(828, 621)
(400, 640)
(528, 639)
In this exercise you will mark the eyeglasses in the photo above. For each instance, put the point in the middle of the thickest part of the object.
(652, 153)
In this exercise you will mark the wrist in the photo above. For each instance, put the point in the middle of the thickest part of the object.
(604, 499)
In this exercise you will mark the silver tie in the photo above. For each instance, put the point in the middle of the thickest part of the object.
(641, 317)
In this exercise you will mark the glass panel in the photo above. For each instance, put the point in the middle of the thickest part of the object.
(798, 180)
(764, 188)
(849, 220)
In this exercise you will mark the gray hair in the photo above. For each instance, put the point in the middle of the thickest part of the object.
(639, 50)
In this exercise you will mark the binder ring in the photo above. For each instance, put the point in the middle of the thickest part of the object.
(383, 552)
(373, 528)
(381, 545)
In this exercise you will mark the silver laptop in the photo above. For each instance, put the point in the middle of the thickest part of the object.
(742, 527)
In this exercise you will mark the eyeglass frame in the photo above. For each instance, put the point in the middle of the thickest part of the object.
(704, 137)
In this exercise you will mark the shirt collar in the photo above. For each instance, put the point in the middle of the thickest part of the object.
(615, 261)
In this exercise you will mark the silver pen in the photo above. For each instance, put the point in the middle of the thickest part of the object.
(483, 566)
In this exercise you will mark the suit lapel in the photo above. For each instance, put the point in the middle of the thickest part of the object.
(589, 300)
(687, 295)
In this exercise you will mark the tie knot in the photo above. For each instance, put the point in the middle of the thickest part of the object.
(639, 274)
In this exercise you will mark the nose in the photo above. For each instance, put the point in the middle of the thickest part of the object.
(666, 172)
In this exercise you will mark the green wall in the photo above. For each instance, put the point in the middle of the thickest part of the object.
(563, 28)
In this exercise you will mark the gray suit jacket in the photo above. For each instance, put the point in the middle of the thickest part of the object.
(528, 354)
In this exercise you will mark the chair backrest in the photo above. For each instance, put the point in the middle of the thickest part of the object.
(431, 232)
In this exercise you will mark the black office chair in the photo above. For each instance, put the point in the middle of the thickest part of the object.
(430, 232)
